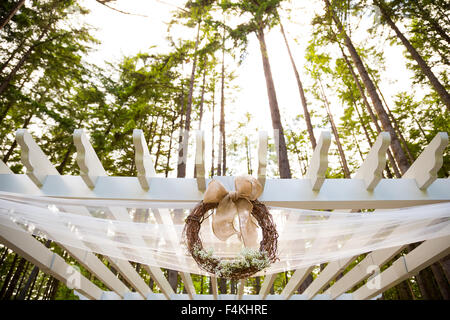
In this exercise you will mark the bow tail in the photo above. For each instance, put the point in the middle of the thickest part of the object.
(249, 229)
(222, 220)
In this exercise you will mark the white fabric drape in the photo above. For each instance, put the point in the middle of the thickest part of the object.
(151, 233)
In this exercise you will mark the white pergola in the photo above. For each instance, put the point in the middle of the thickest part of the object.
(366, 190)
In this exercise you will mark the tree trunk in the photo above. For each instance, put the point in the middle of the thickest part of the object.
(11, 13)
(441, 280)
(151, 284)
(372, 115)
(233, 286)
(283, 161)
(182, 165)
(222, 142)
(445, 264)
(248, 156)
(396, 126)
(222, 285)
(27, 297)
(8, 276)
(15, 279)
(258, 284)
(212, 128)
(404, 291)
(158, 149)
(440, 89)
(63, 164)
(384, 118)
(202, 99)
(309, 126)
(32, 277)
(169, 152)
(345, 168)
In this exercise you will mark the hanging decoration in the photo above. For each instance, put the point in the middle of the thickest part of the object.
(236, 213)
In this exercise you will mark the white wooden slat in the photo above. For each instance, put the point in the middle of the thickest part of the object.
(37, 164)
(319, 161)
(200, 160)
(164, 217)
(49, 262)
(301, 274)
(91, 171)
(85, 257)
(4, 169)
(424, 173)
(372, 168)
(88, 260)
(145, 169)
(362, 271)
(121, 214)
(96, 267)
(188, 284)
(424, 169)
(370, 172)
(263, 140)
(289, 193)
(267, 284)
(87, 160)
(406, 266)
(144, 163)
(295, 281)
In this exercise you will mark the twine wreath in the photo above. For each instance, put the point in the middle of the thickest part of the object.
(251, 214)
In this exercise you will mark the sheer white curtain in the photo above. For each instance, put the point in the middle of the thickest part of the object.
(148, 233)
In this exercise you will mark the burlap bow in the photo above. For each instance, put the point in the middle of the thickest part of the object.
(232, 203)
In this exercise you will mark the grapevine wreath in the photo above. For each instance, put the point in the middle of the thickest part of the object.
(251, 214)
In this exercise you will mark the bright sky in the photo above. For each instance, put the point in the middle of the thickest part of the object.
(123, 34)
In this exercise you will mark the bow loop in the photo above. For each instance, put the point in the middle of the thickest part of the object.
(232, 203)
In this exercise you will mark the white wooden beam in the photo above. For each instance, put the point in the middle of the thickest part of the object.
(406, 266)
(319, 161)
(37, 164)
(144, 163)
(163, 216)
(4, 169)
(91, 171)
(362, 270)
(200, 160)
(369, 172)
(34, 158)
(262, 156)
(267, 284)
(188, 284)
(90, 166)
(424, 169)
(33, 153)
(372, 168)
(289, 193)
(121, 214)
(295, 281)
(49, 262)
(423, 173)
